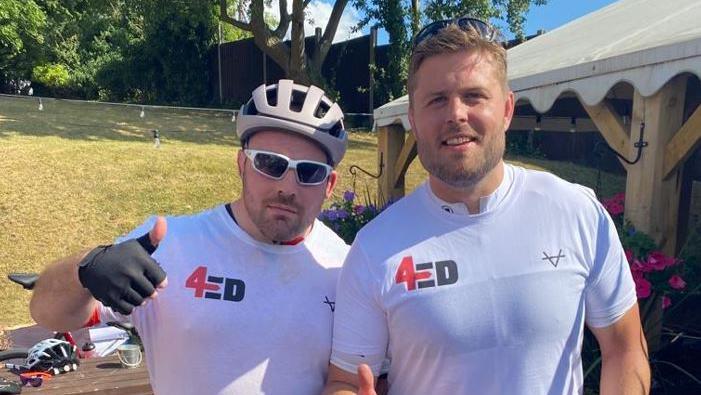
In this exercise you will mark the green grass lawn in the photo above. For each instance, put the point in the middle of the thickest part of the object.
(75, 175)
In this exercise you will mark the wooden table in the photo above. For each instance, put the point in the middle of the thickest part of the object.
(104, 376)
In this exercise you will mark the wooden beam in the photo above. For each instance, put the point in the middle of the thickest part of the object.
(405, 158)
(390, 140)
(652, 201)
(610, 126)
(552, 124)
(683, 143)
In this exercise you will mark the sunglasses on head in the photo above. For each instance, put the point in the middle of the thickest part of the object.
(465, 23)
(273, 165)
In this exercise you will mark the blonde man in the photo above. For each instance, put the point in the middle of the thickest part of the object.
(481, 280)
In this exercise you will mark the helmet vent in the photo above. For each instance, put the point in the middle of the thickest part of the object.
(297, 100)
(251, 108)
(321, 110)
(271, 96)
(336, 129)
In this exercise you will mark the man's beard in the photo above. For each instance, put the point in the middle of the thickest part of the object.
(460, 171)
(276, 227)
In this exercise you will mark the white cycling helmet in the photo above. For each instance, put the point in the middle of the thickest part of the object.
(53, 356)
(295, 108)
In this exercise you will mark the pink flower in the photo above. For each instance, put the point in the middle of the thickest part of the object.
(677, 282)
(616, 208)
(629, 256)
(639, 266)
(615, 204)
(666, 302)
(643, 287)
(658, 261)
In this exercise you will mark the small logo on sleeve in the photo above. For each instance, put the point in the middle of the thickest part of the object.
(426, 275)
(210, 287)
(554, 259)
(331, 303)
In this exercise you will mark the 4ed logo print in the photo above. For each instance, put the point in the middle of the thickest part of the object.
(207, 286)
(425, 275)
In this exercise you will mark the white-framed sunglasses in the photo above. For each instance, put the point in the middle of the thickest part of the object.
(274, 165)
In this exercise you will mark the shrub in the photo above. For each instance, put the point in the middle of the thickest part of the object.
(51, 75)
(346, 217)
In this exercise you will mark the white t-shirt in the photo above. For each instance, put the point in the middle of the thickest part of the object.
(491, 303)
(261, 320)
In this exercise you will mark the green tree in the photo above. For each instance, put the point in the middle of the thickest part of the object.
(85, 36)
(395, 15)
(511, 12)
(392, 16)
(129, 50)
(21, 25)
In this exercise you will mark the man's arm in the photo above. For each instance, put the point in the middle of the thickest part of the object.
(340, 382)
(122, 276)
(59, 301)
(625, 369)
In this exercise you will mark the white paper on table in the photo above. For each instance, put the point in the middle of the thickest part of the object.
(107, 339)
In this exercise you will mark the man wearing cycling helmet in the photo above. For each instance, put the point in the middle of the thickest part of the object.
(250, 293)
(492, 270)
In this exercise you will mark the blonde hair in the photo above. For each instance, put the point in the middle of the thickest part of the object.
(452, 39)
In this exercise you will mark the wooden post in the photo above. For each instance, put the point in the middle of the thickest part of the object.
(406, 156)
(611, 127)
(652, 201)
(684, 142)
(265, 68)
(371, 69)
(390, 140)
(221, 94)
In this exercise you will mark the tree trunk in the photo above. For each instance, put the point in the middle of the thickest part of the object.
(293, 59)
(298, 57)
(415, 18)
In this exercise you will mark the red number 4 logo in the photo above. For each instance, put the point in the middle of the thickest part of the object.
(234, 289)
(446, 272)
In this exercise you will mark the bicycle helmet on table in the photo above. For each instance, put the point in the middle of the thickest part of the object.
(298, 109)
(53, 356)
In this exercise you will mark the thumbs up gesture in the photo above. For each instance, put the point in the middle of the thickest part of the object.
(123, 276)
(366, 381)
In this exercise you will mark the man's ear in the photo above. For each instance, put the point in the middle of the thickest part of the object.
(509, 109)
(331, 183)
(241, 162)
(410, 114)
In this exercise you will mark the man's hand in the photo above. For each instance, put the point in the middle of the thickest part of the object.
(366, 380)
(341, 382)
(124, 275)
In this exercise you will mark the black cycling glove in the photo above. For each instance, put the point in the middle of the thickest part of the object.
(122, 275)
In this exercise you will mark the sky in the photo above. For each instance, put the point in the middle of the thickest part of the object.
(556, 13)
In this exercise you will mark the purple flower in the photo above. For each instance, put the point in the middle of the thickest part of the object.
(341, 214)
(348, 196)
(324, 215)
(329, 215)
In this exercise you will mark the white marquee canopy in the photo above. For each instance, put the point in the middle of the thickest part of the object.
(642, 42)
